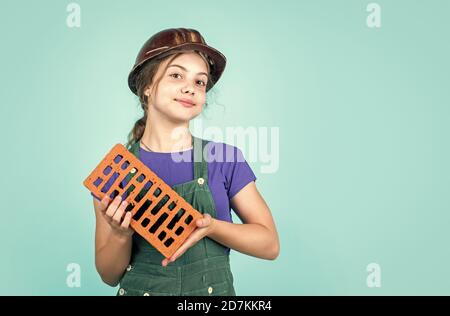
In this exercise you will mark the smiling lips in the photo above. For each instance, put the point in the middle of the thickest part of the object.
(185, 102)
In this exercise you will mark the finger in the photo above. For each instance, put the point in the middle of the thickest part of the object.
(126, 220)
(117, 217)
(189, 242)
(172, 258)
(112, 208)
(104, 202)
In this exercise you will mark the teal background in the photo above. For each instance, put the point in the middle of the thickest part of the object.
(363, 116)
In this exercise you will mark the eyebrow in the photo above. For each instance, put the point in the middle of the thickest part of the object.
(200, 73)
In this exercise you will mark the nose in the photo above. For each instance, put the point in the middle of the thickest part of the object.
(188, 89)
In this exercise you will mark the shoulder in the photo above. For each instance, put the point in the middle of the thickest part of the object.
(222, 152)
(230, 160)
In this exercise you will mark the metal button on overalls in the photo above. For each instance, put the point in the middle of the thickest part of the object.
(129, 267)
(121, 291)
(200, 181)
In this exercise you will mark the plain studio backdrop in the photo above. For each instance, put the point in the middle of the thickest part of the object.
(358, 92)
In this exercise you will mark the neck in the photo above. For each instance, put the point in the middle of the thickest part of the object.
(165, 136)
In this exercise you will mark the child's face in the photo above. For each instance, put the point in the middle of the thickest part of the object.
(178, 83)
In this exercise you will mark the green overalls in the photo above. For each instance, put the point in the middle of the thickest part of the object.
(204, 269)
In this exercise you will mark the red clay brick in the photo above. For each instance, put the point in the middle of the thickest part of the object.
(144, 221)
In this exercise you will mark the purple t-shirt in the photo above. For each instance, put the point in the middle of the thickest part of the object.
(228, 172)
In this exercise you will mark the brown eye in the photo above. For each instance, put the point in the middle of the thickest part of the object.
(172, 75)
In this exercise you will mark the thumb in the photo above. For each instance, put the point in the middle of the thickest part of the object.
(205, 221)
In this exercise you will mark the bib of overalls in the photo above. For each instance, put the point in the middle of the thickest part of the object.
(204, 269)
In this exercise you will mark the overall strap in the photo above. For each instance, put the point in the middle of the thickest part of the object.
(134, 149)
(200, 163)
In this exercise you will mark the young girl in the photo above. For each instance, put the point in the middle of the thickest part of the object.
(173, 71)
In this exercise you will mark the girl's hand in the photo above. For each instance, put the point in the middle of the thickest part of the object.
(204, 227)
(114, 213)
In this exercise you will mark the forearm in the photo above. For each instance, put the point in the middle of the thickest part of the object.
(252, 239)
(113, 257)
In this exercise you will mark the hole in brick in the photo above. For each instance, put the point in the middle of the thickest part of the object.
(114, 194)
(188, 219)
(179, 231)
(125, 165)
(157, 192)
(128, 191)
(110, 182)
(140, 195)
(160, 205)
(98, 181)
(118, 158)
(143, 191)
(129, 207)
(172, 206)
(158, 223)
(127, 179)
(168, 242)
(176, 218)
(140, 178)
(162, 235)
(145, 222)
(142, 210)
(181, 213)
(148, 185)
(107, 170)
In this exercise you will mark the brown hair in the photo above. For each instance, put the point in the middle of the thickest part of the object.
(145, 78)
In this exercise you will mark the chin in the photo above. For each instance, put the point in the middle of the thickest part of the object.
(181, 118)
(183, 114)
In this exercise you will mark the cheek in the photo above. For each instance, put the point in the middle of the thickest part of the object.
(201, 99)
(165, 92)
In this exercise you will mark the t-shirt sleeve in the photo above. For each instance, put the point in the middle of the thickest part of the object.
(237, 173)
